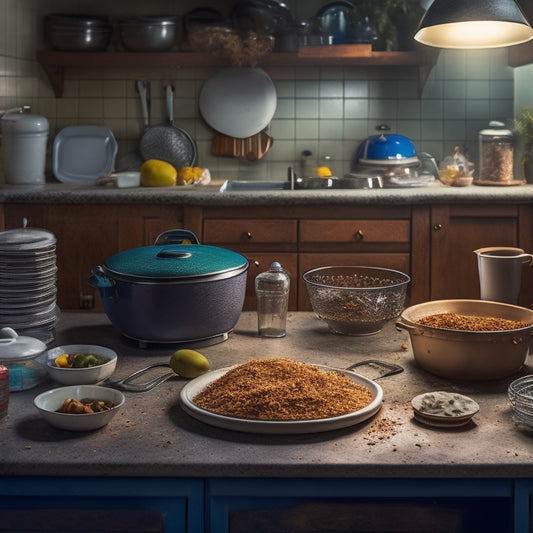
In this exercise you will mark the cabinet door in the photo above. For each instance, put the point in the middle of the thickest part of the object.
(395, 261)
(87, 235)
(260, 262)
(456, 232)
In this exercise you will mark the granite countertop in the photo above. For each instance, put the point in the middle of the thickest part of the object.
(209, 195)
(153, 436)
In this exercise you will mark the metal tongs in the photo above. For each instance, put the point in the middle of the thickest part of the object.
(126, 384)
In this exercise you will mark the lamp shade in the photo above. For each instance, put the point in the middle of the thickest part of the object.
(473, 24)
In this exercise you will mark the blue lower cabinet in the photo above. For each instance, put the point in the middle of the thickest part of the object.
(359, 505)
(132, 505)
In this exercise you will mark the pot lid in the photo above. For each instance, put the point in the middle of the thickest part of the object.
(174, 262)
(21, 120)
(386, 148)
(14, 347)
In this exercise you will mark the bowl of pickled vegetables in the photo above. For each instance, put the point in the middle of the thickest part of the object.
(79, 407)
(81, 364)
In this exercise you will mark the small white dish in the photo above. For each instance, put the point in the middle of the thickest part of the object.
(81, 376)
(444, 409)
(49, 402)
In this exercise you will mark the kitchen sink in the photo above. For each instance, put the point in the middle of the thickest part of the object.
(235, 185)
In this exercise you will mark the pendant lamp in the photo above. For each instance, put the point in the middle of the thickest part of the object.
(473, 24)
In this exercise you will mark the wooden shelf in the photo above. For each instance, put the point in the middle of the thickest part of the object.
(54, 63)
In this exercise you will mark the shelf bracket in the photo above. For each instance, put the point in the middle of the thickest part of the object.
(55, 74)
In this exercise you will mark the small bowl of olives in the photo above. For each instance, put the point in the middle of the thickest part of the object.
(81, 364)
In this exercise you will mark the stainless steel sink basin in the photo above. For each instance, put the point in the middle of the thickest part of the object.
(235, 185)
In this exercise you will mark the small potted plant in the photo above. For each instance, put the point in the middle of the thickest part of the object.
(395, 21)
(524, 128)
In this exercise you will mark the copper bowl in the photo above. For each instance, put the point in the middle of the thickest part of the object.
(469, 355)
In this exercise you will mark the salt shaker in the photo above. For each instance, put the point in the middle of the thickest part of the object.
(272, 293)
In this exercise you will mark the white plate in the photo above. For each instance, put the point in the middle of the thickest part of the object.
(285, 427)
(82, 154)
(238, 101)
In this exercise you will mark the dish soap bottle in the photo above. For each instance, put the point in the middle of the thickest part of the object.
(272, 294)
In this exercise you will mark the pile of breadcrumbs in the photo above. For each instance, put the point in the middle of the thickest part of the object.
(281, 389)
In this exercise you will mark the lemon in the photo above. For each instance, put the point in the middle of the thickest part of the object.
(157, 173)
(189, 363)
(323, 172)
(448, 175)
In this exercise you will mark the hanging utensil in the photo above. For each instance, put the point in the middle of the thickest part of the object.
(238, 101)
(167, 141)
(134, 160)
(250, 148)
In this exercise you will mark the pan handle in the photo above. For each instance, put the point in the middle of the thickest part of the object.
(169, 91)
(176, 236)
(143, 94)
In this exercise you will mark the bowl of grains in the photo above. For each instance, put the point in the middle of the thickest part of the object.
(468, 339)
(356, 300)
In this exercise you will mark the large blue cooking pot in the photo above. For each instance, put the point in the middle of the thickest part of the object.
(177, 291)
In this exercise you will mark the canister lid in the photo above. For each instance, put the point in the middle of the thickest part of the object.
(14, 347)
(496, 130)
(21, 120)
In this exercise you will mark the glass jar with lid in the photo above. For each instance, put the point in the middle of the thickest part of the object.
(496, 153)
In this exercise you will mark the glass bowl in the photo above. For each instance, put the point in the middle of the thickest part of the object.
(356, 300)
(520, 393)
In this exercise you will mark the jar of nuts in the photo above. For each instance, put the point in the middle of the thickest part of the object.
(496, 154)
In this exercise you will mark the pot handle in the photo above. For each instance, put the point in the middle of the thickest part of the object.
(105, 285)
(402, 324)
(177, 236)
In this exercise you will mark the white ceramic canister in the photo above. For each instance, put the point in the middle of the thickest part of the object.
(24, 138)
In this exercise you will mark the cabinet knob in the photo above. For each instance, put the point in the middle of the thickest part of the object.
(248, 235)
(437, 227)
(256, 264)
(358, 235)
(86, 301)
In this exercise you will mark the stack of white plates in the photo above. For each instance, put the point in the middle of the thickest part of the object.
(28, 274)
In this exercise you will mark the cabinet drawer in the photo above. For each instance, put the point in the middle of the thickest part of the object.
(217, 231)
(364, 230)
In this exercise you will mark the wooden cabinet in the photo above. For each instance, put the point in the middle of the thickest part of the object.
(308, 237)
(87, 235)
(262, 241)
(433, 244)
(458, 230)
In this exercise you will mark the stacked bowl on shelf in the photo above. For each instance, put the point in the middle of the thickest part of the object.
(28, 282)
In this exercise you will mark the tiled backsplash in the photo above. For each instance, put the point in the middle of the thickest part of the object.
(325, 110)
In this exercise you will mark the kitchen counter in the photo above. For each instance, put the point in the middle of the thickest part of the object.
(210, 195)
(153, 436)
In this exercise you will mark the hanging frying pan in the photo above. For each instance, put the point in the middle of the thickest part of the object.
(167, 142)
(238, 101)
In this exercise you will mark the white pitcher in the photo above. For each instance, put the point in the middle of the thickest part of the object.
(500, 273)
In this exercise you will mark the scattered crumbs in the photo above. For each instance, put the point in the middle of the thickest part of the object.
(139, 437)
(404, 347)
(381, 429)
(27, 447)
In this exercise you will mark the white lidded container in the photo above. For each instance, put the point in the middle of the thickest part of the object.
(24, 138)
